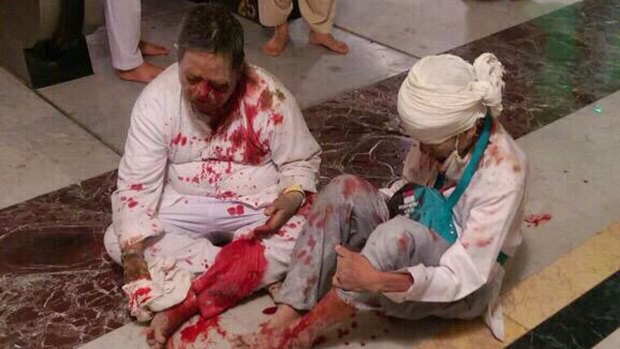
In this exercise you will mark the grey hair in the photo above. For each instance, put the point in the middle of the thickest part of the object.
(212, 28)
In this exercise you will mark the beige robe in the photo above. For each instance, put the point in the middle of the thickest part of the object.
(319, 14)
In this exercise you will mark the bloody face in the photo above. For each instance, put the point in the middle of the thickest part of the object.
(208, 81)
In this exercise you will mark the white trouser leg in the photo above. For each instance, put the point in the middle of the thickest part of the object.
(193, 224)
(123, 28)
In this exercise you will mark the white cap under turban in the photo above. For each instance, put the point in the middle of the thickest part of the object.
(444, 95)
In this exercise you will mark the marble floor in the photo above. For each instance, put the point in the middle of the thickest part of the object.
(58, 289)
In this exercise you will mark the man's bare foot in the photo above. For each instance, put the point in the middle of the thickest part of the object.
(150, 49)
(328, 41)
(270, 333)
(144, 73)
(165, 323)
(278, 41)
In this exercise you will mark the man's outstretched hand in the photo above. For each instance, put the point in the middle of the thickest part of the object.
(280, 211)
(134, 265)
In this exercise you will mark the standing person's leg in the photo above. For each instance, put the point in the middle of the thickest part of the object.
(274, 13)
(123, 28)
(320, 15)
(345, 212)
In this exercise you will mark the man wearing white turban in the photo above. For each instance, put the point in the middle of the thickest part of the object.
(409, 266)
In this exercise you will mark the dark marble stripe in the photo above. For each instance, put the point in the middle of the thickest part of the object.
(556, 64)
(581, 324)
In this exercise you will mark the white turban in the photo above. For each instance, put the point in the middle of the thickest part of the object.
(444, 95)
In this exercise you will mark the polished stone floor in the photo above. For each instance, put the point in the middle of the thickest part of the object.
(62, 143)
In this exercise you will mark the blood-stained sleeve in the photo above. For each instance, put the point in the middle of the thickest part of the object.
(294, 150)
(141, 172)
(497, 200)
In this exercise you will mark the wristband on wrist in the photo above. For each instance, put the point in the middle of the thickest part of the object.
(130, 253)
(295, 188)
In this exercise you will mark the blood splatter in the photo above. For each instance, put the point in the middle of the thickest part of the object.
(131, 202)
(142, 291)
(277, 118)
(237, 272)
(136, 187)
(176, 139)
(305, 209)
(311, 242)
(226, 195)
(349, 186)
(265, 100)
(270, 310)
(236, 210)
(254, 153)
(484, 242)
(403, 243)
(537, 219)
(196, 179)
(237, 137)
(201, 328)
(495, 154)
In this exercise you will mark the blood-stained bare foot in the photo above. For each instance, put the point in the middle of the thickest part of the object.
(271, 332)
(328, 41)
(150, 49)
(165, 323)
(278, 41)
(143, 73)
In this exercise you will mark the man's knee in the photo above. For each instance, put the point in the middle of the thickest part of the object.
(346, 185)
(110, 242)
(391, 245)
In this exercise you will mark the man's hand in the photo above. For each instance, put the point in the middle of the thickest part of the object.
(280, 211)
(134, 265)
(355, 273)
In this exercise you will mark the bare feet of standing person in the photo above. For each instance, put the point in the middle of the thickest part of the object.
(278, 41)
(146, 71)
(327, 40)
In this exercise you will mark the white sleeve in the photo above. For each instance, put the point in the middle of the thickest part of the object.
(141, 173)
(467, 264)
(294, 150)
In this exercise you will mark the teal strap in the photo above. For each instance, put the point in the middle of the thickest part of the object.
(439, 182)
(476, 155)
(502, 258)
